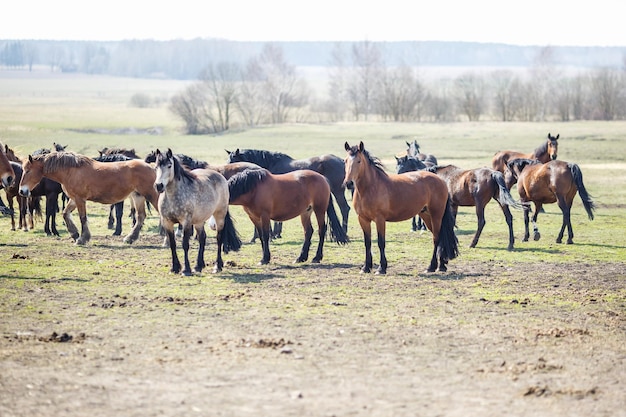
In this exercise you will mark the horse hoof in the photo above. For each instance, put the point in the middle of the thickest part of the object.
(216, 269)
(510, 248)
(559, 241)
(443, 269)
(380, 272)
(299, 260)
(365, 270)
(187, 273)
(570, 242)
(316, 261)
(537, 236)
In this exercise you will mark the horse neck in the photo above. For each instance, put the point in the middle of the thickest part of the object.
(369, 178)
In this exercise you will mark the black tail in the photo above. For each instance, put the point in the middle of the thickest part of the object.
(448, 242)
(504, 195)
(35, 206)
(336, 229)
(582, 191)
(230, 237)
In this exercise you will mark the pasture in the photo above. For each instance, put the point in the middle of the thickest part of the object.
(104, 329)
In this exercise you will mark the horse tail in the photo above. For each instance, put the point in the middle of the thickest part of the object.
(230, 237)
(582, 191)
(336, 229)
(504, 195)
(448, 243)
(36, 207)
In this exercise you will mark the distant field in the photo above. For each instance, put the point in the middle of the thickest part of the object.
(539, 330)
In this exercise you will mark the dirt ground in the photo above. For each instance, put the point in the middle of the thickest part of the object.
(481, 340)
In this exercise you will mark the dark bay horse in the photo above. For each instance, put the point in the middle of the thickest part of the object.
(545, 152)
(7, 174)
(190, 198)
(409, 163)
(84, 179)
(476, 188)
(265, 196)
(554, 181)
(330, 166)
(413, 149)
(381, 197)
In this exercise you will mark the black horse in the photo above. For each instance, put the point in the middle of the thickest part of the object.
(116, 223)
(330, 166)
(413, 149)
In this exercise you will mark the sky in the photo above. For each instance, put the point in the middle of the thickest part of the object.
(525, 22)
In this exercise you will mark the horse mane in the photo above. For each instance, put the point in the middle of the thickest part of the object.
(374, 162)
(264, 158)
(521, 163)
(245, 181)
(128, 152)
(191, 163)
(114, 157)
(541, 149)
(56, 161)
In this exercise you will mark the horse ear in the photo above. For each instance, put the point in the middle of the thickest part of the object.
(361, 146)
(30, 158)
(237, 151)
(169, 153)
(227, 151)
(347, 146)
(407, 144)
(557, 136)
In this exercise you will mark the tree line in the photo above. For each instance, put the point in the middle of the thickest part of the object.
(268, 90)
(250, 87)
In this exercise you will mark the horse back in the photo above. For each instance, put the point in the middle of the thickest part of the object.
(543, 182)
(500, 159)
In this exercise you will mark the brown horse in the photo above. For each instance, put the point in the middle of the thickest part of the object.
(381, 197)
(476, 187)
(547, 151)
(280, 197)
(84, 179)
(7, 175)
(554, 181)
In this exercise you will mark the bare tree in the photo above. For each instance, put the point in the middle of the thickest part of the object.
(337, 83)
(250, 100)
(221, 85)
(400, 92)
(543, 74)
(366, 63)
(470, 89)
(606, 87)
(189, 105)
(507, 94)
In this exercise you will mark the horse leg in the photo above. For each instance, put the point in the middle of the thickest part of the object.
(366, 226)
(322, 229)
(509, 222)
(308, 233)
(480, 214)
(85, 234)
(565, 209)
(52, 206)
(23, 205)
(67, 217)
(201, 235)
(188, 231)
(219, 263)
(119, 211)
(278, 229)
(264, 235)
(10, 201)
(414, 226)
(175, 262)
(139, 202)
(111, 222)
(526, 220)
(536, 234)
(380, 231)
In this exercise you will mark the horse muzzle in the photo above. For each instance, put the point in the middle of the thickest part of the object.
(159, 187)
(24, 191)
(553, 157)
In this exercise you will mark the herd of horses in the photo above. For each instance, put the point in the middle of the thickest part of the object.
(273, 186)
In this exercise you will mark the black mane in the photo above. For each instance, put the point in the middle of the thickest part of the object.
(245, 181)
(114, 157)
(263, 158)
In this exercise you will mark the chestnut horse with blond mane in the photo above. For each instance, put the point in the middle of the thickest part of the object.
(84, 179)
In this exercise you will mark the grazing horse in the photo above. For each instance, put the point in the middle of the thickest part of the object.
(84, 179)
(330, 166)
(413, 149)
(381, 197)
(545, 152)
(554, 181)
(265, 196)
(476, 187)
(408, 163)
(190, 198)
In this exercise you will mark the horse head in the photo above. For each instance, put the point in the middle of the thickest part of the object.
(408, 163)
(32, 173)
(553, 146)
(234, 156)
(164, 169)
